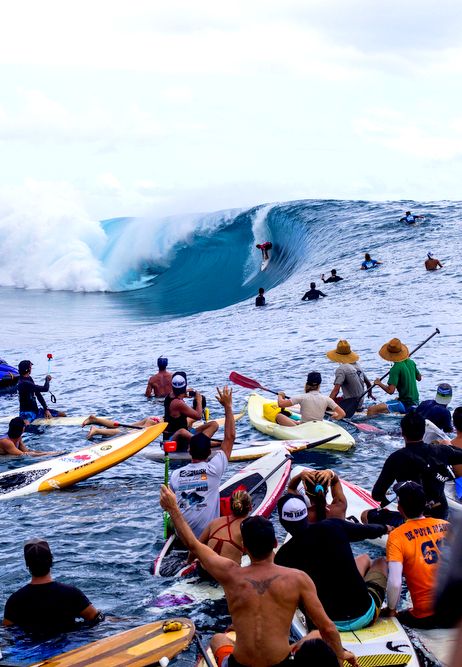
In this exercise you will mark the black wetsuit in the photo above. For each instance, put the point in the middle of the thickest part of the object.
(331, 279)
(323, 551)
(174, 423)
(312, 295)
(260, 300)
(28, 390)
(424, 464)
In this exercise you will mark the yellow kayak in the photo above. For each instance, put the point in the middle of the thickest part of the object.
(312, 430)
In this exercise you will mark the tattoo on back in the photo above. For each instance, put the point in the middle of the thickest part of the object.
(263, 585)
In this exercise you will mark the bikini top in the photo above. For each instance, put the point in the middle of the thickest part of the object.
(221, 540)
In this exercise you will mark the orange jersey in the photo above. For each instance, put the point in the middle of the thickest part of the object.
(417, 545)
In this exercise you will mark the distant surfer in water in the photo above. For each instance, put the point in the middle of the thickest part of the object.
(28, 391)
(369, 263)
(333, 278)
(264, 247)
(313, 294)
(160, 384)
(260, 300)
(431, 263)
(410, 219)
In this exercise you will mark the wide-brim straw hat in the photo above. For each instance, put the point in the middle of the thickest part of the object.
(343, 353)
(394, 350)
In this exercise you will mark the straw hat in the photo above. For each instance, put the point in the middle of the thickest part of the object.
(342, 353)
(394, 350)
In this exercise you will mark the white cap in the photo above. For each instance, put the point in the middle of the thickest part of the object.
(294, 509)
(178, 382)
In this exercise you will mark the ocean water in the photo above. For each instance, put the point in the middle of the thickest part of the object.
(107, 298)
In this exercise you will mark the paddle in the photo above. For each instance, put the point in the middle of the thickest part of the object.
(203, 650)
(249, 383)
(50, 357)
(350, 404)
(169, 447)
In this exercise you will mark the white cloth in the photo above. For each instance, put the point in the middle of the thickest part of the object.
(313, 405)
(196, 487)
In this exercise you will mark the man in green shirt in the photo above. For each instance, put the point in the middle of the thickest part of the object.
(403, 378)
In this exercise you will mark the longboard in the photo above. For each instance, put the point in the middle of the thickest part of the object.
(139, 647)
(76, 466)
(241, 452)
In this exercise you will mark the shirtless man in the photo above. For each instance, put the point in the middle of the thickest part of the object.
(11, 443)
(262, 599)
(431, 263)
(160, 384)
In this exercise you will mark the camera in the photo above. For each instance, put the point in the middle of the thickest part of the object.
(191, 393)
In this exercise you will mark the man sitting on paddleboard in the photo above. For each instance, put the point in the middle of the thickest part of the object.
(350, 589)
(403, 378)
(11, 443)
(414, 551)
(313, 404)
(28, 391)
(262, 599)
(349, 376)
(419, 462)
(45, 607)
(160, 384)
(313, 294)
(369, 263)
(197, 484)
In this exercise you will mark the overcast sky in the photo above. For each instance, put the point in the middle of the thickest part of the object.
(142, 106)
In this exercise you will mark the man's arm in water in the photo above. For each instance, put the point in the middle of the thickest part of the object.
(150, 388)
(219, 567)
(328, 631)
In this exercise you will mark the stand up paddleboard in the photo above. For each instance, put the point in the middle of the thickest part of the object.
(139, 647)
(76, 466)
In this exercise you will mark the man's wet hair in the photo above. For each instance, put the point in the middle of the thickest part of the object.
(312, 285)
(413, 426)
(16, 427)
(258, 536)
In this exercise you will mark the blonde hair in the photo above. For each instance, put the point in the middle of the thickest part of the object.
(241, 503)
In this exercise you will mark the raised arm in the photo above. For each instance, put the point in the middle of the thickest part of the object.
(219, 567)
(225, 397)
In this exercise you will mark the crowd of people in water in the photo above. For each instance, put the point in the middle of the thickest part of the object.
(315, 570)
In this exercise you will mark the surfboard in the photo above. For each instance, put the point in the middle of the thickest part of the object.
(201, 661)
(240, 452)
(264, 264)
(138, 647)
(171, 560)
(76, 466)
(383, 644)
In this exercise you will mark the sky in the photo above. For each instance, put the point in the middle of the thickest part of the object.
(147, 107)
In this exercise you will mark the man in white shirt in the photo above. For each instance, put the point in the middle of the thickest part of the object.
(313, 404)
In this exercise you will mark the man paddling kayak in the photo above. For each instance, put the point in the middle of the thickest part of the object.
(28, 392)
(349, 376)
(403, 378)
(262, 599)
(313, 404)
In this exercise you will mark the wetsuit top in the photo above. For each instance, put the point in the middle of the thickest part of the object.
(332, 279)
(174, 423)
(436, 413)
(221, 540)
(28, 390)
(46, 609)
(260, 300)
(424, 464)
(312, 295)
(323, 551)
(370, 264)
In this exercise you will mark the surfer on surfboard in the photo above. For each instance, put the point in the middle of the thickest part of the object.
(264, 247)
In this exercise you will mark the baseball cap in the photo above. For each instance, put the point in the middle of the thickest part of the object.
(443, 393)
(179, 383)
(37, 552)
(313, 378)
(24, 366)
(292, 508)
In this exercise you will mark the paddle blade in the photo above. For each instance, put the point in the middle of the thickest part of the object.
(368, 428)
(244, 381)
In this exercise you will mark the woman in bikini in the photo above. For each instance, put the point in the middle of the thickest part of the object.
(223, 535)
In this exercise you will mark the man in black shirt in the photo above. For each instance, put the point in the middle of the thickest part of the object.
(427, 465)
(45, 607)
(333, 278)
(351, 591)
(312, 293)
(260, 300)
(28, 391)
